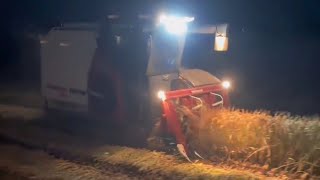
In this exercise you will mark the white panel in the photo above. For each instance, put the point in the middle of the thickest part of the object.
(66, 57)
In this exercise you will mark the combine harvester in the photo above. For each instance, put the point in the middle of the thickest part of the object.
(122, 71)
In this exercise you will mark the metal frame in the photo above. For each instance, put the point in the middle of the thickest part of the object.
(170, 114)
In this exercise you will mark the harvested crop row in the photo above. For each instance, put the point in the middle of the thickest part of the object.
(139, 162)
(20, 162)
(168, 166)
(277, 142)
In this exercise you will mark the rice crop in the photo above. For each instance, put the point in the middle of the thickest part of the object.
(277, 142)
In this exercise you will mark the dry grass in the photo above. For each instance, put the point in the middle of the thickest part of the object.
(159, 164)
(20, 112)
(279, 142)
(22, 163)
(137, 162)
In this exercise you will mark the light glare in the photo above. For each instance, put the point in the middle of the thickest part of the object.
(221, 43)
(174, 24)
(161, 95)
(226, 84)
(176, 28)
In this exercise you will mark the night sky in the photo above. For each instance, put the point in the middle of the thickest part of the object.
(274, 54)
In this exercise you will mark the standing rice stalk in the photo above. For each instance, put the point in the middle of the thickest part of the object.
(278, 142)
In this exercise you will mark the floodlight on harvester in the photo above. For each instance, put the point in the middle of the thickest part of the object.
(175, 24)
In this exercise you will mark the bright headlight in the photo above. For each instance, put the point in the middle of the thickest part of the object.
(226, 84)
(161, 95)
(174, 24)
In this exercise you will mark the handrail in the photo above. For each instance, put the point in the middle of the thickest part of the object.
(198, 106)
(217, 103)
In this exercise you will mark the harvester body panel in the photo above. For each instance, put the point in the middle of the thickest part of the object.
(66, 55)
(198, 77)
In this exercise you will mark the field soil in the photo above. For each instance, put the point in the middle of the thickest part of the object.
(37, 144)
(31, 150)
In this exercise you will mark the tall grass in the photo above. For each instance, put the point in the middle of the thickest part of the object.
(278, 142)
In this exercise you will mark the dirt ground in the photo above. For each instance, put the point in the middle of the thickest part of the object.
(17, 162)
(21, 115)
(32, 148)
(22, 106)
